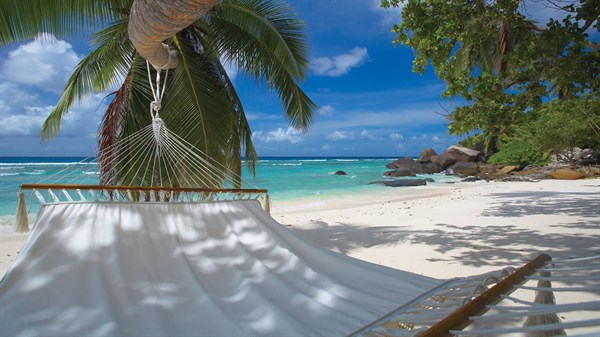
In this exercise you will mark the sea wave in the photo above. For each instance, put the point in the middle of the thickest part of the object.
(91, 172)
(288, 164)
(11, 167)
(7, 220)
(346, 159)
(8, 174)
(34, 173)
(312, 160)
(7, 224)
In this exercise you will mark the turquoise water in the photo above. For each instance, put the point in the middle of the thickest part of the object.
(285, 178)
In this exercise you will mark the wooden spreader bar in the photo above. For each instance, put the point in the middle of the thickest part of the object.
(139, 188)
(460, 318)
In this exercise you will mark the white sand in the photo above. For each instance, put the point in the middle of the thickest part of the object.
(442, 231)
(459, 229)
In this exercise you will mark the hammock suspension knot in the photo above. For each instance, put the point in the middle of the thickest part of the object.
(157, 124)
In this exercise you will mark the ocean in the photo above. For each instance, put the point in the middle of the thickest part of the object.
(285, 178)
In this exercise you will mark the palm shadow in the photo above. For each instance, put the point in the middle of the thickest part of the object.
(478, 245)
(347, 237)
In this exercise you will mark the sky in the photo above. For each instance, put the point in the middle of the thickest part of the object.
(371, 103)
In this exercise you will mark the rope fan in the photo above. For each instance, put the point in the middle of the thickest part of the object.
(152, 164)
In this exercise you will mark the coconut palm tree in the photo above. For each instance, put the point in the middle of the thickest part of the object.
(262, 38)
(488, 36)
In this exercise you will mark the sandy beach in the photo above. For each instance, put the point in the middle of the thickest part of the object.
(442, 231)
(458, 229)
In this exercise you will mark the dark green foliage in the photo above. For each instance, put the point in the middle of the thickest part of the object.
(513, 75)
(472, 141)
(568, 123)
(518, 153)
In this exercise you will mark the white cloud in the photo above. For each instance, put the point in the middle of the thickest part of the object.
(326, 147)
(341, 135)
(435, 138)
(389, 16)
(83, 119)
(11, 96)
(414, 115)
(364, 134)
(45, 62)
(230, 69)
(340, 64)
(326, 110)
(423, 137)
(400, 147)
(22, 114)
(29, 123)
(396, 137)
(542, 11)
(280, 135)
(254, 116)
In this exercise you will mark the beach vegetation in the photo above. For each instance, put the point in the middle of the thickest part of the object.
(566, 124)
(508, 76)
(263, 39)
(518, 153)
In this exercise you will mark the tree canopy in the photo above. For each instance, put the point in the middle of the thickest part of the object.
(511, 77)
(263, 38)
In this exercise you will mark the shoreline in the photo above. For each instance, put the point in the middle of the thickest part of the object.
(440, 231)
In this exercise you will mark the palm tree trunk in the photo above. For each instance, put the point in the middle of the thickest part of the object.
(153, 21)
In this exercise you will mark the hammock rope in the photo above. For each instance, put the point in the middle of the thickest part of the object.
(152, 156)
(436, 313)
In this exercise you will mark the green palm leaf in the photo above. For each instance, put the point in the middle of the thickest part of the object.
(194, 107)
(110, 130)
(23, 20)
(241, 136)
(104, 68)
(264, 43)
(194, 104)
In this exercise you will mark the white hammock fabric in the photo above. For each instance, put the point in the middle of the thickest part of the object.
(106, 266)
(204, 269)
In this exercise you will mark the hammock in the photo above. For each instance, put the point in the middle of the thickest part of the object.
(111, 266)
(192, 255)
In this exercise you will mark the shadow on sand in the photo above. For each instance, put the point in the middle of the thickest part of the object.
(485, 245)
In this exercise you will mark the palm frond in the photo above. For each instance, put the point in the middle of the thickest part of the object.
(503, 46)
(131, 160)
(110, 129)
(104, 68)
(272, 23)
(241, 134)
(461, 60)
(195, 102)
(262, 40)
(23, 20)
(194, 108)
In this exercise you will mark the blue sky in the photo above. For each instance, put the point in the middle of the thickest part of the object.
(371, 102)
